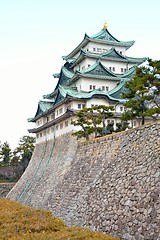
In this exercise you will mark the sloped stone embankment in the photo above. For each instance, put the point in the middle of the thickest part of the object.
(109, 184)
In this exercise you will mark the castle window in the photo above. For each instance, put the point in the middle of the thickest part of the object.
(92, 105)
(83, 105)
(125, 69)
(79, 106)
(52, 116)
(89, 65)
(121, 69)
(94, 87)
(83, 67)
(57, 112)
(107, 88)
(94, 49)
(90, 87)
(60, 110)
(40, 134)
(99, 50)
(113, 68)
(110, 68)
(61, 125)
(120, 52)
(103, 88)
(66, 124)
(37, 135)
(121, 109)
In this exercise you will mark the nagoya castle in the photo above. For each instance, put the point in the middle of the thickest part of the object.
(94, 73)
(109, 184)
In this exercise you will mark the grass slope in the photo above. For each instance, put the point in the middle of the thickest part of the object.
(18, 222)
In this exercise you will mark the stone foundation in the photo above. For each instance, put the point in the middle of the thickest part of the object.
(109, 184)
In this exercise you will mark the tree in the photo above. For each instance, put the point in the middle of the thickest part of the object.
(143, 93)
(25, 150)
(5, 154)
(92, 120)
(105, 112)
(121, 126)
(84, 123)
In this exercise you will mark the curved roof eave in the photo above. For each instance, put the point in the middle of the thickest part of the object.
(136, 60)
(43, 107)
(106, 55)
(67, 92)
(77, 49)
(125, 44)
(96, 93)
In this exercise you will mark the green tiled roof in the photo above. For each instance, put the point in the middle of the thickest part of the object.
(97, 70)
(130, 73)
(111, 54)
(136, 60)
(66, 91)
(64, 76)
(118, 90)
(43, 106)
(56, 75)
(104, 37)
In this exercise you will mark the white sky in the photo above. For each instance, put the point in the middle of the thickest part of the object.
(35, 34)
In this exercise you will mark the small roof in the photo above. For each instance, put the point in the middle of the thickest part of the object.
(104, 37)
(97, 70)
(65, 91)
(111, 55)
(43, 106)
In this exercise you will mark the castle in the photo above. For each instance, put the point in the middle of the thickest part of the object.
(94, 73)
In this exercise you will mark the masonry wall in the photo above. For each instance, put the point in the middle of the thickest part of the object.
(5, 188)
(109, 184)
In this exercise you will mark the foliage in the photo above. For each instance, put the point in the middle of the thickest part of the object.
(21, 154)
(143, 93)
(19, 222)
(121, 126)
(92, 120)
(5, 154)
(19, 158)
(25, 150)
(84, 123)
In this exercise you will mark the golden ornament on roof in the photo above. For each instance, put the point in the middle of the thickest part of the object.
(105, 25)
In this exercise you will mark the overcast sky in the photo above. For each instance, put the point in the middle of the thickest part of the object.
(35, 34)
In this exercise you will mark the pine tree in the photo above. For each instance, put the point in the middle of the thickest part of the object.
(5, 154)
(143, 93)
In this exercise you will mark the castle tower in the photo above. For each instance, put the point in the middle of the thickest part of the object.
(94, 73)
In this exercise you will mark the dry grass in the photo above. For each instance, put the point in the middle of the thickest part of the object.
(18, 222)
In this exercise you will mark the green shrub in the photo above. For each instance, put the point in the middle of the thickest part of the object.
(18, 222)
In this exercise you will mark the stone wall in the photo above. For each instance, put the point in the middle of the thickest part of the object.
(109, 184)
(11, 172)
(5, 188)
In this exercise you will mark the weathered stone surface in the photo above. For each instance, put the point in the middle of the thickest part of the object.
(5, 188)
(109, 184)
